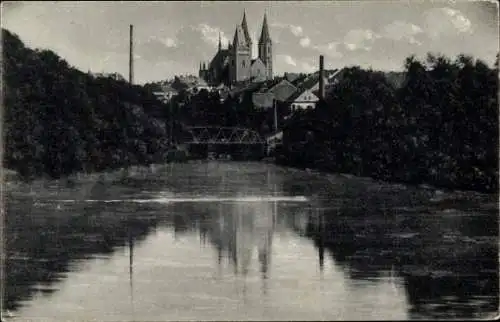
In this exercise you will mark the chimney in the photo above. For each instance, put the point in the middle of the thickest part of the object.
(131, 57)
(321, 78)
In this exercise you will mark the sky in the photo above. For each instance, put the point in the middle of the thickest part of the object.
(171, 38)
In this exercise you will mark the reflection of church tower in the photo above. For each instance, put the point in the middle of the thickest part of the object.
(266, 236)
(265, 252)
(245, 243)
(131, 269)
(321, 242)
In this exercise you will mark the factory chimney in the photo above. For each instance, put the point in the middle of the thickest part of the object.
(131, 57)
(321, 78)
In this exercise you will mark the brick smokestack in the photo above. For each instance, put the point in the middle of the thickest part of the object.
(131, 56)
(321, 78)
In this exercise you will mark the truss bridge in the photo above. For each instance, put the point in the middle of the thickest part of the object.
(222, 136)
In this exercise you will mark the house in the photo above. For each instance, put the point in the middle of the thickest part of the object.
(311, 82)
(166, 93)
(283, 90)
(245, 89)
(197, 85)
(279, 90)
(302, 99)
(307, 94)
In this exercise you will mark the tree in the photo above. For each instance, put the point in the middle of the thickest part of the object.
(440, 127)
(59, 120)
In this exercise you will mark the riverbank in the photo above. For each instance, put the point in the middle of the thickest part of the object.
(172, 156)
(112, 175)
(425, 186)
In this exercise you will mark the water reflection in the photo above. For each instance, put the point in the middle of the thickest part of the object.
(443, 254)
(447, 258)
(239, 232)
(44, 242)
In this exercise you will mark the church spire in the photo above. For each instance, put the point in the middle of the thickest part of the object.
(238, 37)
(264, 35)
(244, 26)
(220, 43)
(235, 39)
(265, 49)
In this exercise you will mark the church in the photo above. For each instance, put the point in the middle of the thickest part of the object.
(235, 64)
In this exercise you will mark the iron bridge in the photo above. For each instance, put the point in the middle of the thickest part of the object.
(222, 135)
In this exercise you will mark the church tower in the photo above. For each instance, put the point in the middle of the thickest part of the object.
(234, 64)
(266, 49)
(248, 39)
(240, 56)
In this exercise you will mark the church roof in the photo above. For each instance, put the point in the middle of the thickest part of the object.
(255, 60)
(220, 59)
(297, 94)
(264, 35)
(311, 80)
(239, 37)
(244, 26)
(282, 90)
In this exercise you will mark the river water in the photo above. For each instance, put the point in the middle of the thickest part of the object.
(246, 241)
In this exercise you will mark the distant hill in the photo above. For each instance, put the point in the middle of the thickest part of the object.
(59, 120)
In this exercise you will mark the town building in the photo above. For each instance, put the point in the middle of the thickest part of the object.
(166, 93)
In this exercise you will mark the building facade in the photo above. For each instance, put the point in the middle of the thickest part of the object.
(235, 64)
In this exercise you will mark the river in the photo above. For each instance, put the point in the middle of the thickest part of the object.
(246, 241)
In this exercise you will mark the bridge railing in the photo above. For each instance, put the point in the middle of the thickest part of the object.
(223, 135)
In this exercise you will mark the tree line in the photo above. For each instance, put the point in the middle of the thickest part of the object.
(440, 127)
(59, 120)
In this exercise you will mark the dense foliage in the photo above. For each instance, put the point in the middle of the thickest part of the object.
(58, 120)
(440, 127)
(208, 109)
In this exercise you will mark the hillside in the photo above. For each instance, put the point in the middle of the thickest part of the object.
(59, 120)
